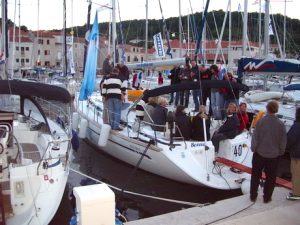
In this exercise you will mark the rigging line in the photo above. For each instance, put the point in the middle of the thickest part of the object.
(199, 40)
(139, 194)
(167, 34)
(218, 36)
(194, 30)
(123, 57)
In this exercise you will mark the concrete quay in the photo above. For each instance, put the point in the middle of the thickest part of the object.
(234, 211)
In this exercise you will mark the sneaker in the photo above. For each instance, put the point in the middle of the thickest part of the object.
(293, 197)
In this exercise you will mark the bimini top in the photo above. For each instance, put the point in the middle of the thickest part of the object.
(29, 88)
(193, 86)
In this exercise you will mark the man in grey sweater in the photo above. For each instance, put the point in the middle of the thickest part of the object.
(267, 144)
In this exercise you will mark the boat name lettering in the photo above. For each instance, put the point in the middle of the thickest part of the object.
(193, 145)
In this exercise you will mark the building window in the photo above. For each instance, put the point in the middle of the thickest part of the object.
(17, 60)
(17, 48)
(47, 63)
(133, 49)
(135, 59)
(27, 48)
(27, 60)
(142, 59)
(22, 49)
(48, 42)
(39, 52)
(47, 52)
(22, 60)
(128, 58)
(41, 41)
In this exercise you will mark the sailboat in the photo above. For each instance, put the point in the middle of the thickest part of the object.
(35, 147)
(286, 90)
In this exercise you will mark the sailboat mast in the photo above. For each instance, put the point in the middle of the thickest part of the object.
(114, 31)
(4, 44)
(245, 25)
(179, 30)
(65, 62)
(259, 28)
(266, 28)
(284, 29)
(87, 29)
(146, 33)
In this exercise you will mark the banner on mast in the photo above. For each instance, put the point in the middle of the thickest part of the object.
(159, 45)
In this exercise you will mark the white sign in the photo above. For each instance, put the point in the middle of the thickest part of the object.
(159, 45)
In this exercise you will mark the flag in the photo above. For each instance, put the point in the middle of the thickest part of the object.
(89, 80)
(159, 46)
(270, 27)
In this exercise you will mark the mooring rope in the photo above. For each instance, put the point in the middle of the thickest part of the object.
(142, 195)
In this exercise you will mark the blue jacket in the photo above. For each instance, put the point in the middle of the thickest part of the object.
(293, 141)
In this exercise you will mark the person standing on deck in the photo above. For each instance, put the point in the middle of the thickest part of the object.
(205, 74)
(267, 144)
(106, 66)
(215, 94)
(195, 78)
(113, 89)
(293, 147)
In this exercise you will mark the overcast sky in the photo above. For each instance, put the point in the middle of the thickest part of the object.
(50, 12)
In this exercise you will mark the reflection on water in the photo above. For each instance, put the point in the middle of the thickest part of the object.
(91, 161)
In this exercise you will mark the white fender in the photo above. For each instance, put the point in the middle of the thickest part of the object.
(75, 118)
(83, 128)
(104, 134)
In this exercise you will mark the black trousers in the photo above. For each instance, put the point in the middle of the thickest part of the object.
(269, 165)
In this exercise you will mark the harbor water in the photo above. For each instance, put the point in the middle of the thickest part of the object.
(92, 162)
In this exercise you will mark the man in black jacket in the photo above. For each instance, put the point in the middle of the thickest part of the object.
(229, 129)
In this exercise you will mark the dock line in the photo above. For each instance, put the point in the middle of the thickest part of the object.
(194, 204)
(223, 218)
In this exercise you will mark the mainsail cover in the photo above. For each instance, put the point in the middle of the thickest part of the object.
(193, 86)
(89, 80)
(269, 66)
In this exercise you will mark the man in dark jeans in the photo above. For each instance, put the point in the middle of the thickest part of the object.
(268, 143)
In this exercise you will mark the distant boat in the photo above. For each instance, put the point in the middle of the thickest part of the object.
(35, 149)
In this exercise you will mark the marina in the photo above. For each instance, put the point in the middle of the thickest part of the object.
(196, 128)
